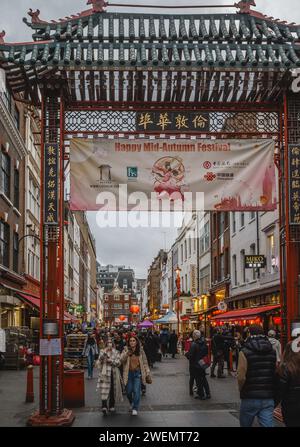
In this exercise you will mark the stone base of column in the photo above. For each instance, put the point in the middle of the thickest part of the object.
(65, 419)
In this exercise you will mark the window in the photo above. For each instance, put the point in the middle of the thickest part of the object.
(243, 270)
(271, 258)
(34, 199)
(186, 284)
(222, 266)
(185, 250)
(242, 217)
(204, 239)
(126, 305)
(222, 222)
(16, 188)
(5, 174)
(234, 222)
(204, 279)
(16, 252)
(181, 253)
(4, 244)
(252, 215)
(234, 270)
(190, 246)
(252, 252)
(194, 240)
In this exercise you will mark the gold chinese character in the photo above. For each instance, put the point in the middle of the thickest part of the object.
(51, 150)
(50, 217)
(51, 161)
(51, 184)
(181, 121)
(295, 174)
(296, 162)
(296, 218)
(163, 120)
(51, 195)
(145, 119)
(199, 122)
(51, 173)
(296, 195)
(51, 206)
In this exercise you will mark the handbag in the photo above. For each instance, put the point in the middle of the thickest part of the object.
(148, 379)
(204, 363)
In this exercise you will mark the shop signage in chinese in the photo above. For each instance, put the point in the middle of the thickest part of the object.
(255, 261)
(51, 184)
(294, 183)
(172, 121)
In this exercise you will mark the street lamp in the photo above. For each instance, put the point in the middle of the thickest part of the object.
(177, 281)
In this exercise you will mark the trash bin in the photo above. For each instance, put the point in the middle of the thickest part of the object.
(74, 388)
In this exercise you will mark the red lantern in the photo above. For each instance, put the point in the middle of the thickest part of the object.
(122, 318)
(134, 309)
(277, 320)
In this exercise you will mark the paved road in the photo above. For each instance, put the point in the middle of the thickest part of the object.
(166, 404)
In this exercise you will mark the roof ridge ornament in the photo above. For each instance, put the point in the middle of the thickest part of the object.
(2, 34)
(35, 16)
(98, 5)
(245, 6)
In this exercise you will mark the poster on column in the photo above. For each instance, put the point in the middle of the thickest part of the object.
(126, 174)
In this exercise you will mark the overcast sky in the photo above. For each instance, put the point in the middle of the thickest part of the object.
(135, 248)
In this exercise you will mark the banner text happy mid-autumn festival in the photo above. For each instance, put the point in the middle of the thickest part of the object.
(172, 147)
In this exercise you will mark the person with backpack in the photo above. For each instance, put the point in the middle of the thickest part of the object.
(256, 379)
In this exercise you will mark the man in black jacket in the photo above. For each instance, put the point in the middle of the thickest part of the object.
(256, 379)
(198, 351)
(218, 348)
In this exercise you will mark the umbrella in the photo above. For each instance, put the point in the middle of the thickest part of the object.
(169, 318)
(145, 324)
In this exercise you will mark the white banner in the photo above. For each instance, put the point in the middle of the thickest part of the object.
(125, 174)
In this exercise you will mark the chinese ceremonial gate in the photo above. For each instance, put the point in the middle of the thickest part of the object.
(101, 73)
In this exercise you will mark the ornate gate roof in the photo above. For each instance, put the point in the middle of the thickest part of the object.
(115, 57)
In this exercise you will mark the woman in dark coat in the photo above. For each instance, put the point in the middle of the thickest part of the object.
(289, 385)
(173, 344)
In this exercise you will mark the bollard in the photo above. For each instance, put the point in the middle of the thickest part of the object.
(29, 391)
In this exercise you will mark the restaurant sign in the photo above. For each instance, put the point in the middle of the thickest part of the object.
(255, 261)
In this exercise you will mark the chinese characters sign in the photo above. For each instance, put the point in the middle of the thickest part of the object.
(51, 184)
(172, 121)
(294, 183)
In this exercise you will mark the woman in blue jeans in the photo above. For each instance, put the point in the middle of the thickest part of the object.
(136, 371)
(90, 351)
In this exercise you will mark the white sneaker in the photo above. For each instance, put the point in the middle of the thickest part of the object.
(112, 410)
(134, 413)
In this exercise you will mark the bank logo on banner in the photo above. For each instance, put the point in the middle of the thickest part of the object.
(143, 175)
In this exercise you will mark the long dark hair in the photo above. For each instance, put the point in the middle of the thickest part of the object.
(291, 361)
(138, 345)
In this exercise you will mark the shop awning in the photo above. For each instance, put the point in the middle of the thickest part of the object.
(68, 318)
(31, 299)
(243, 314)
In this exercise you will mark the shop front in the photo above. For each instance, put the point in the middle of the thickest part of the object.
(266, 316)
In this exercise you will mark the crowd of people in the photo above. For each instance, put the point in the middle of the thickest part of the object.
(124, 359)
(266, 377)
